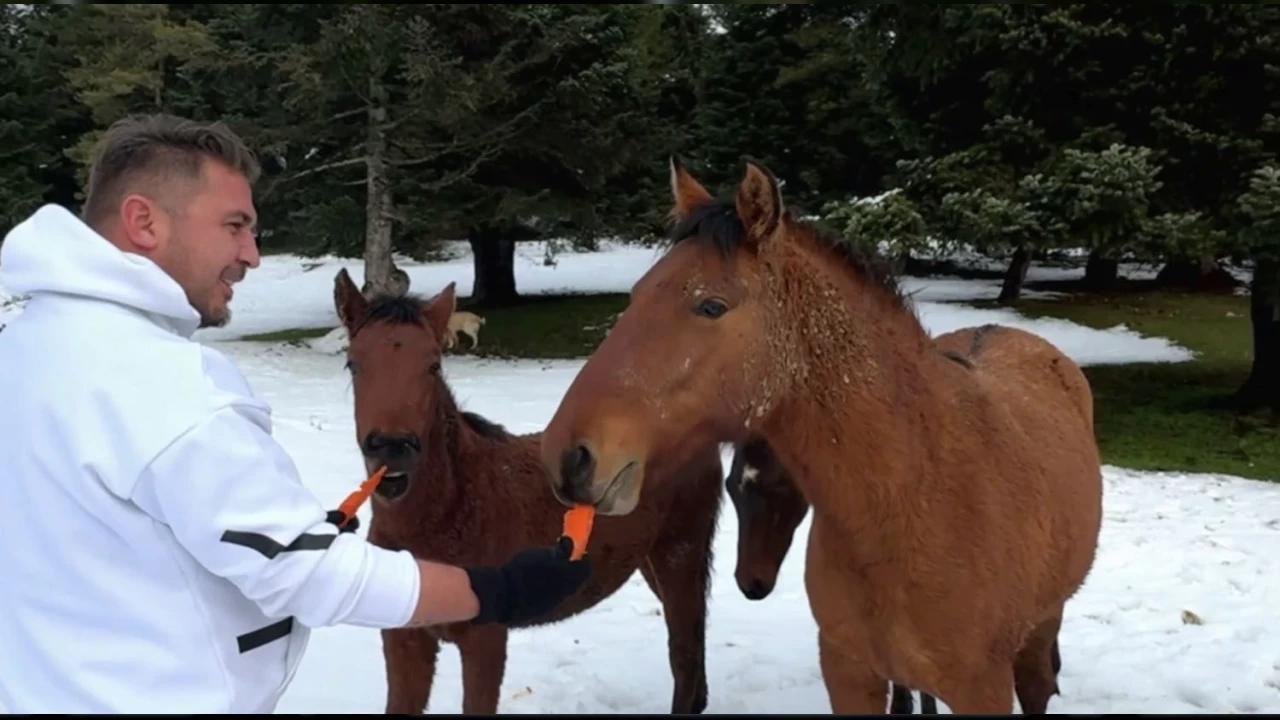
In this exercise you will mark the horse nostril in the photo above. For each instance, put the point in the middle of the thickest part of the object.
(378, 443)
(757, 590)
(576, 465)
(374, 442)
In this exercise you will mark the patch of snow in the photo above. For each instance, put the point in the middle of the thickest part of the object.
(331, 343)
(1085, 345)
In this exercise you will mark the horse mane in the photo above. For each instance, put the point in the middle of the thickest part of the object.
(394, 309)
(407, 310)
(484, 426)
(718, 221)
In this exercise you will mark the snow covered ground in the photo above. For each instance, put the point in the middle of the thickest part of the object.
(1171, 543)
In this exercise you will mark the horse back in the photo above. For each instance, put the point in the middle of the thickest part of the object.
(1024, 366)
(1039, 405)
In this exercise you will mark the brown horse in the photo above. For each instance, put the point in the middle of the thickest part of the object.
(957, 505)
(462, 490)
(770, 507)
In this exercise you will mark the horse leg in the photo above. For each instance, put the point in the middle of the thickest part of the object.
(410, 656)
(852, 686)
(1035, 669)
(678, 571)
(902, 703)
(681, 587)
(484, 663)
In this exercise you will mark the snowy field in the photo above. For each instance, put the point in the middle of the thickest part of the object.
(1172, 544)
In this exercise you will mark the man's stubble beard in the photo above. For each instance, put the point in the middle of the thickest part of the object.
(208, 321)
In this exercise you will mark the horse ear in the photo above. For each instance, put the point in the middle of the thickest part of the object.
(686, 192)
(439, 309)
(347, 300)
(759, 201)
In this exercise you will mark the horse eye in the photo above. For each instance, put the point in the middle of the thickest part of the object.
(350, 367)
(435, 368)
(712, 308)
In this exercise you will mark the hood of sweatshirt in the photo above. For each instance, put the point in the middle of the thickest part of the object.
(55, 252)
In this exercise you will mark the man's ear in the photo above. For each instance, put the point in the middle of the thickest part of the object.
(439, 309)
(143, 223)
(347, 300)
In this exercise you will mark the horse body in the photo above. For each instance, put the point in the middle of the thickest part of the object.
(964, 563)
(474, 494)
(956, 504)
(770, 508)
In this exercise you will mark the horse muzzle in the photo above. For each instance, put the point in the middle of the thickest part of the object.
(399, 453)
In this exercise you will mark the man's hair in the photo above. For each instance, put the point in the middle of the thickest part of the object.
(151, 153)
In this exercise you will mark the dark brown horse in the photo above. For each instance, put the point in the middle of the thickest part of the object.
(462, 490)
(956, 505)
(770, 507)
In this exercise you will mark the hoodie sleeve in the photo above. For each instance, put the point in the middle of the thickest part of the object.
(233, 498)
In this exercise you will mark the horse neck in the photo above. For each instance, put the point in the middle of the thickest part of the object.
(441, 498)
(860, 403)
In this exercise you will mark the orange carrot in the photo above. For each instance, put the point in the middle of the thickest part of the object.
(577, 525)
(357, 498)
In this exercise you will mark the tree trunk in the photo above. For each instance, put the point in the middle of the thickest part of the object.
(380, 274)
(908, 265)
(494, 254)
(1101, 272)
(1014, 277)
(1196, 274)
(1263, 386)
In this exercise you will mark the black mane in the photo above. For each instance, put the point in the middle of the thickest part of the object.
(483, 426)
(395, 309)
(718, 222)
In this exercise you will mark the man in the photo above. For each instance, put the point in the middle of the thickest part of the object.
(159, 553)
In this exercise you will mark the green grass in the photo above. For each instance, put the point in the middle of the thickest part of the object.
(1173, 416)
(542, 326)
(546, 326)
(292, 335)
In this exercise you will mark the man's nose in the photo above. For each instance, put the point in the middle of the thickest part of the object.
(250, 255)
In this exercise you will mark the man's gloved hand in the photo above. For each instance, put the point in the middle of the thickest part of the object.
(335, 517)
(530, 584)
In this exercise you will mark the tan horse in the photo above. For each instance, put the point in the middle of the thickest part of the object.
(957, 497)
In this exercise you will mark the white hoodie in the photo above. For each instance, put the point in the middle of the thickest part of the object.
(158, 551)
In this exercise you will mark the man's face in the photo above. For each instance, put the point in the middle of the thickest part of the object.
(210, 244)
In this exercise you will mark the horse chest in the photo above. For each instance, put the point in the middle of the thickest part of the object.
(862, 607)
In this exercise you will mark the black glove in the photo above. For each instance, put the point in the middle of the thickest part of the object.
(336, 516)
(530, 584)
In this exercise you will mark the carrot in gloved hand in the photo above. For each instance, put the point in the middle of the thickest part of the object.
(577, 527)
